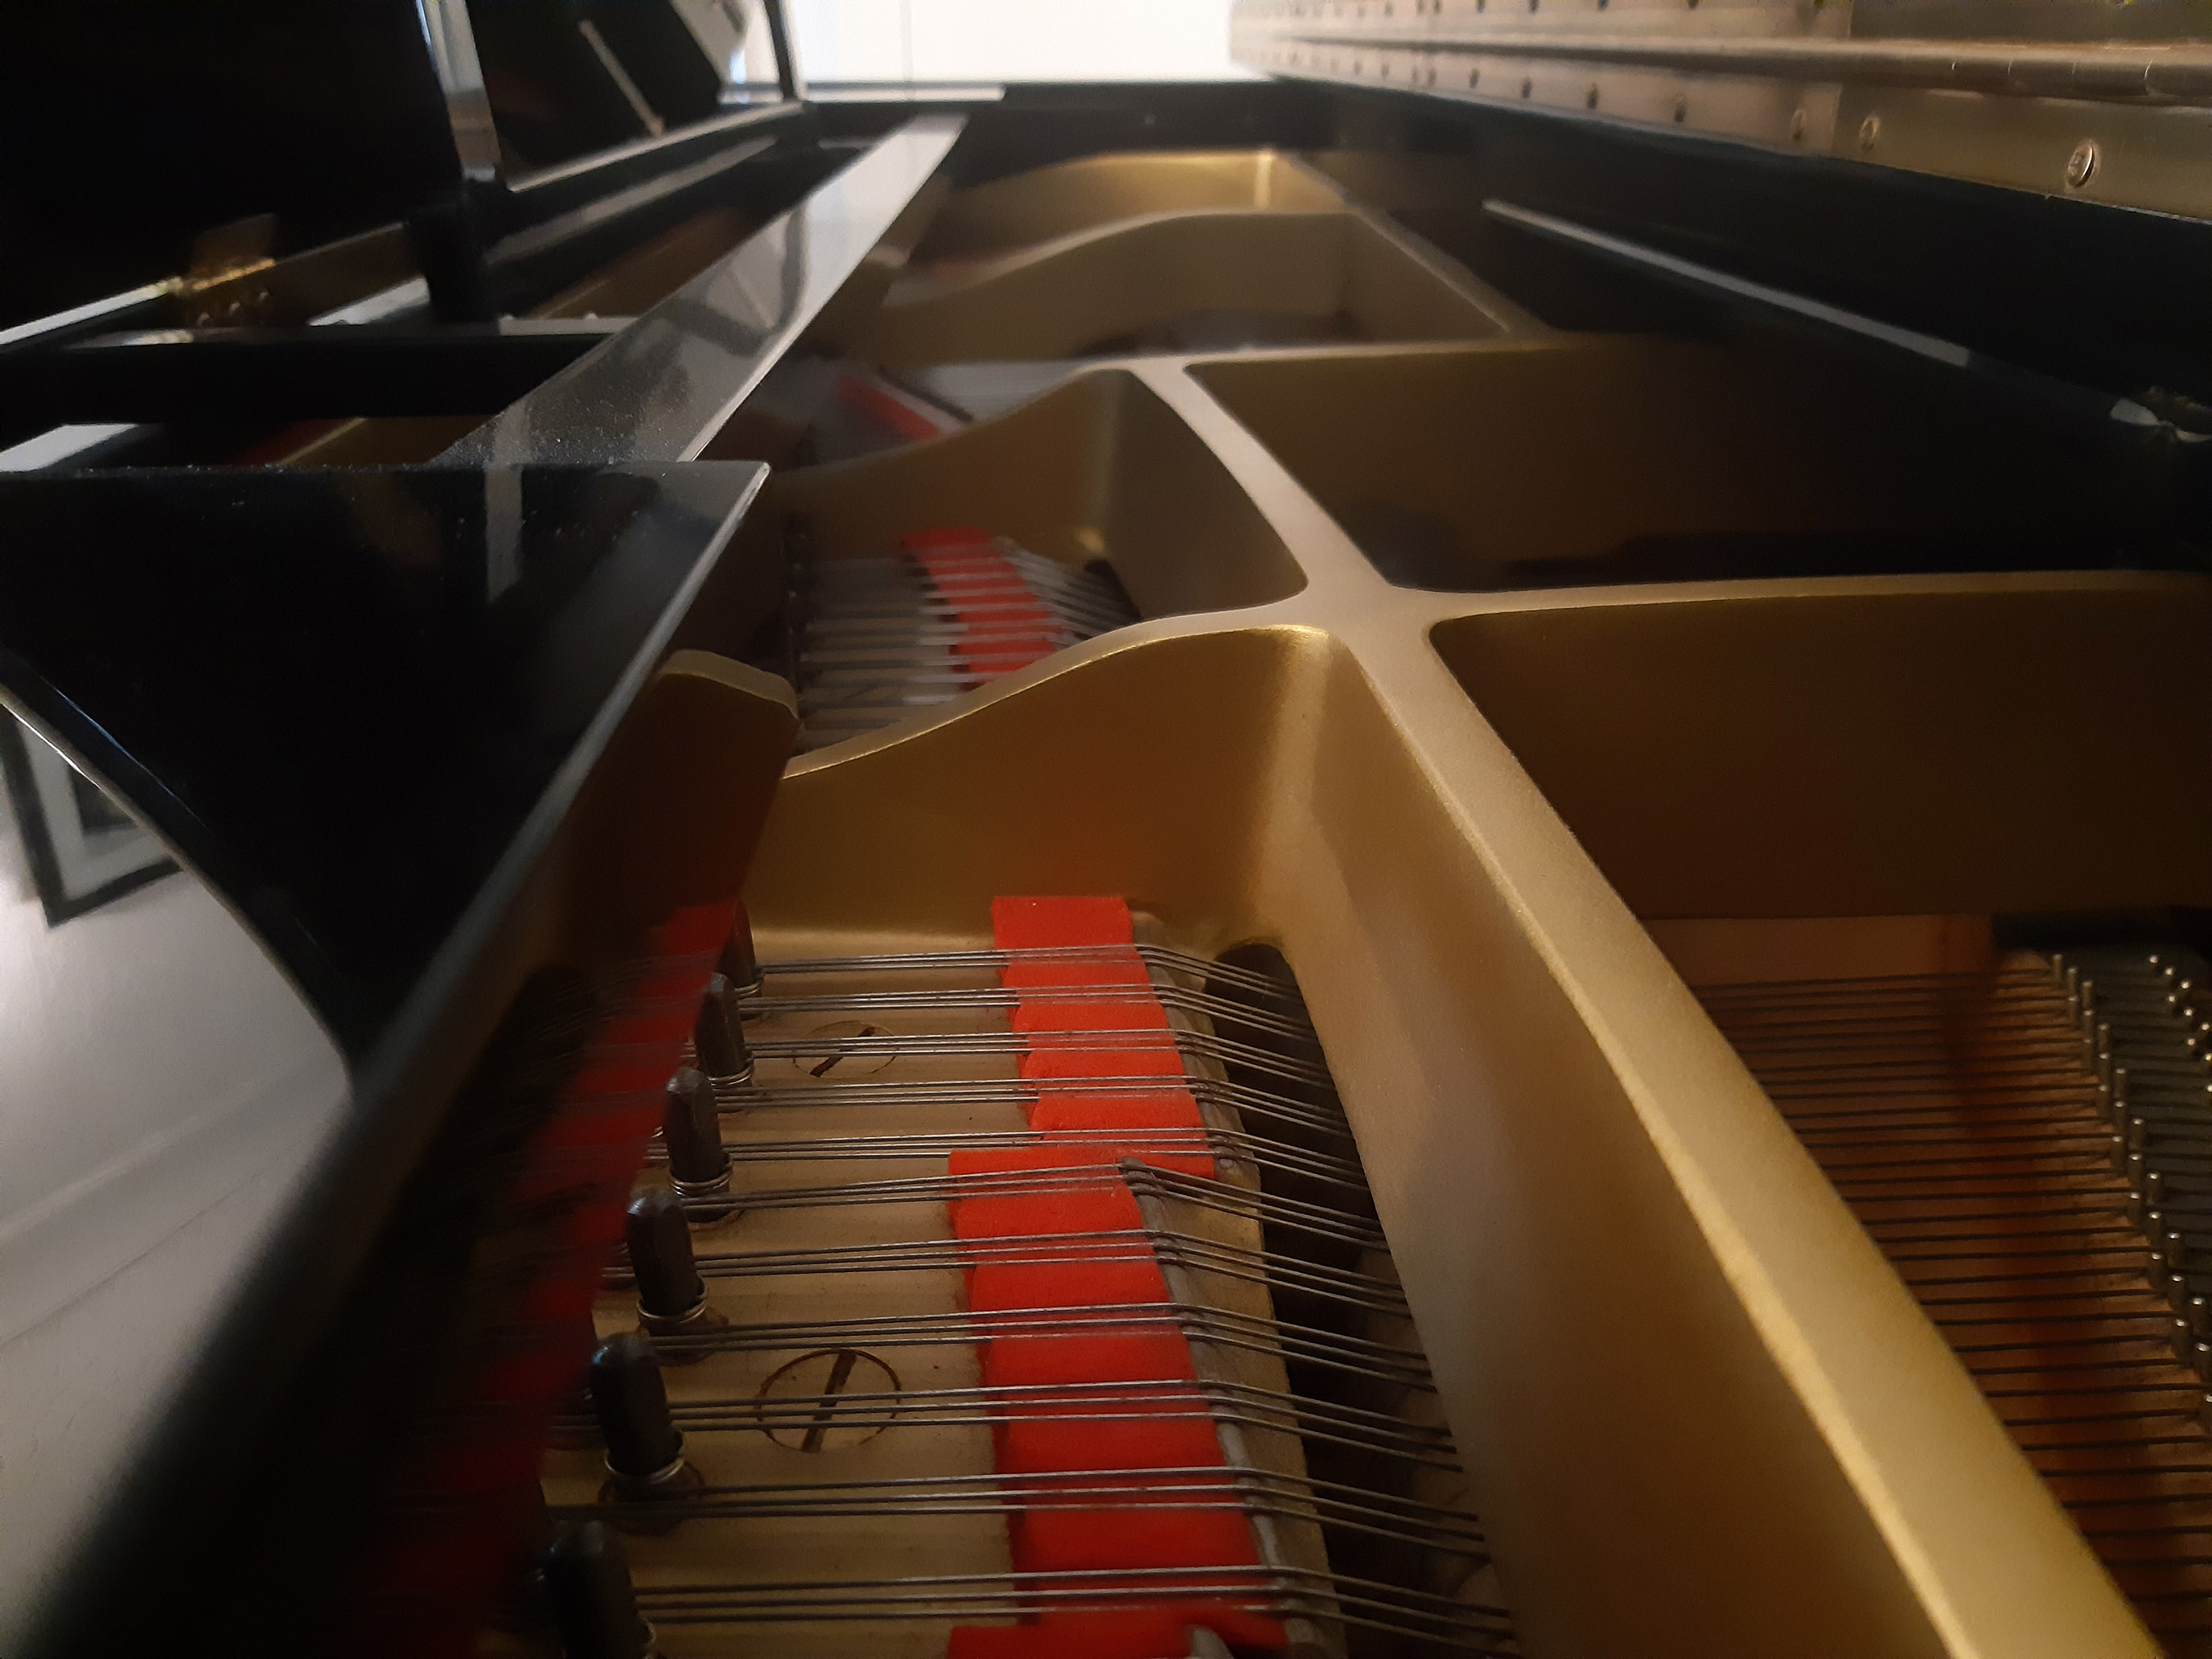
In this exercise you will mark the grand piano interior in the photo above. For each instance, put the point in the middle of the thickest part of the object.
(1407, 857)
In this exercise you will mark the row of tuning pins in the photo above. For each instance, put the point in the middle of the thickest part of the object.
(2146, 1029)
(691, 1126)
(587, 1584)
(587, 1587)
(644, 1449)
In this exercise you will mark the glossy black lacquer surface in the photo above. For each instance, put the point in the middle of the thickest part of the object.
(128, 128)
(663, 387)
(345, 694)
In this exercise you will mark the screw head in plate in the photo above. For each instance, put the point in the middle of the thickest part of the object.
(2081, 164)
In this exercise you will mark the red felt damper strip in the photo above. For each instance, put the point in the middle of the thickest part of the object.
(958, 558)
(1105, 1207)
(1088, 1539)
(1048, 1058)
(1073, 1160)
(1137, 1634)
(996, 659)
(1145, 1635)
(997, 612)
(1162, 1632)
(1125, 1355)
(1234, 1625)
(1072, 1109)
(1075, 1189)
(981, 588)
(1024, 923)
(987, 581)
(995, 607)
(1045, 1011)
(1131, 1354)
(1098, 1444)
(970, 1170)
(1106, 1283)
(972, 576)
(1109, 967)
(1119, 1281)
(990, 599)
(1073, 1038)
(1159, 1637)
(1028, 924)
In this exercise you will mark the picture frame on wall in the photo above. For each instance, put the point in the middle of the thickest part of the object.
(84, 851)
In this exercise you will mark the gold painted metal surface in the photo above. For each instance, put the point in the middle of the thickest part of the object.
(1051, 202)
(1916, 749)
(1064, 297)
(1702, 1415)
(1579, 444)
(1100, 468)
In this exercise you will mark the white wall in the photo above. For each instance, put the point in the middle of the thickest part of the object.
(1013, 40)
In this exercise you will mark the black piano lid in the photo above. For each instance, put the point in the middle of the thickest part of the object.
(345, 695)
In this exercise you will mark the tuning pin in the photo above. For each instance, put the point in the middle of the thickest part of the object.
(720, 1036)
(644, 1449)
(740, 965)
(588, 1589)
(669, 1288)
(671, 1297)
(692, 1130)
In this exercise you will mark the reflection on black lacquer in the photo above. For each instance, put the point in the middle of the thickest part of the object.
(343, 694)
